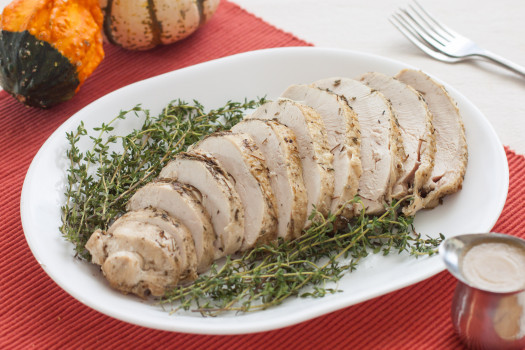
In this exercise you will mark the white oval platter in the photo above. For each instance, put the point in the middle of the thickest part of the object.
(249, 75)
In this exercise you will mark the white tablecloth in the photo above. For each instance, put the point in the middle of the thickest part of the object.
(363, 26)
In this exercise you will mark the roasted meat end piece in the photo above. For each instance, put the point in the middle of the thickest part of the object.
(136, 258)
(450, 162)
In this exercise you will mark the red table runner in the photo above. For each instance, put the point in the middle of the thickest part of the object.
(36, 313)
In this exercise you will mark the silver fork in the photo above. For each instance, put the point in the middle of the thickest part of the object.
(441, 42)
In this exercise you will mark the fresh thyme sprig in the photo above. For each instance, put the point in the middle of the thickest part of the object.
(100, 180)
(269, 274)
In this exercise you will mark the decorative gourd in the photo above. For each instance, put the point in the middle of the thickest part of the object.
(144, 24)
(48, 48)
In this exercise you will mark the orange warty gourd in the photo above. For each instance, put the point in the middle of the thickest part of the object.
(48, 48)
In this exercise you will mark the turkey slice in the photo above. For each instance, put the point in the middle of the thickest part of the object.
(181, 203)
(219, 198)
(343, 136)
(239, 156)
(316, 159)
(278, 146)
(381, 149)
(172, 227)
(136, 257)
(417, 133)
(451, 157)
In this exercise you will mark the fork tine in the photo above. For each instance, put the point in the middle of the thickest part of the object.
(439, 24)
(410, 34)
(400, 23)
(419, 30)
(428, 24)
(406, 31)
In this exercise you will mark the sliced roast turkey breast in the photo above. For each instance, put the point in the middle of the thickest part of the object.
(343, 136)
(316, 159)
(451, 157)
(219, 198)
(381, 149)
(278, 146)
(182, 203)
(239, 156)
(136, 257)
(417, 134)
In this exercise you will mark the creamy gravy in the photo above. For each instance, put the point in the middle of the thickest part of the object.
(495, 266)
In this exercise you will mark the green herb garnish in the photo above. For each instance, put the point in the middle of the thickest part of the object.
(101, 181)
(267, 275)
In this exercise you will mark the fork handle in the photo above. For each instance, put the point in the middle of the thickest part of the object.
(516, 68)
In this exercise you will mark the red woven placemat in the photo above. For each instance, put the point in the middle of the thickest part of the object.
(36, 313)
